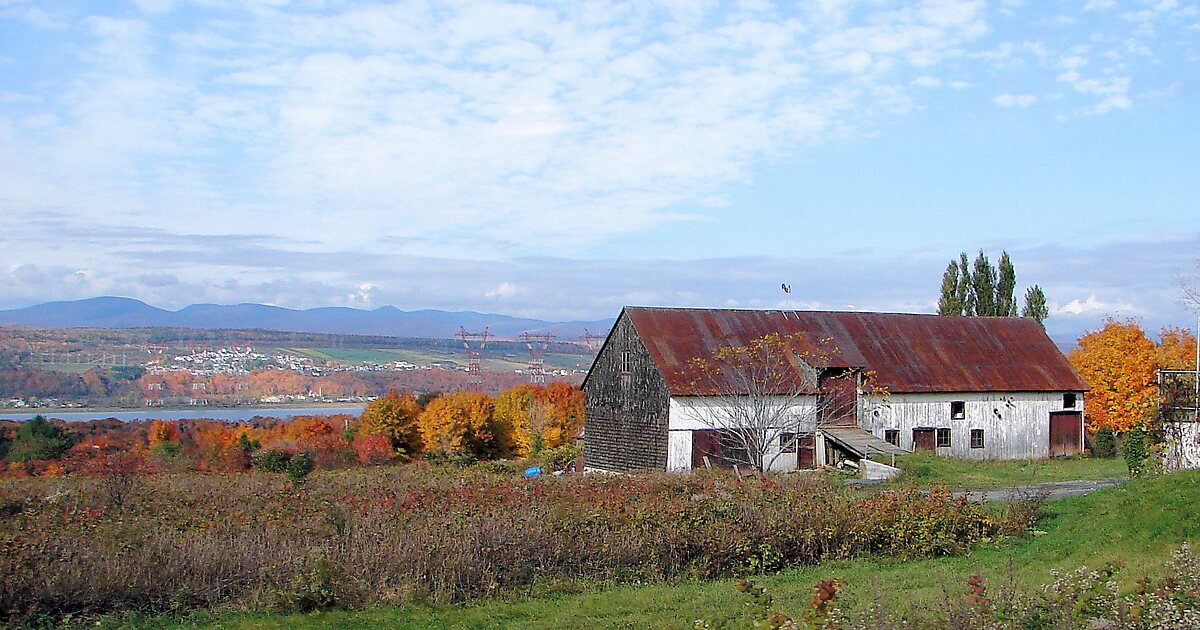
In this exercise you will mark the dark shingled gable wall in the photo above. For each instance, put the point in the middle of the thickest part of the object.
(626, 421)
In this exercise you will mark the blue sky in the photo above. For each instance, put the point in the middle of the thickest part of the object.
(562, 160)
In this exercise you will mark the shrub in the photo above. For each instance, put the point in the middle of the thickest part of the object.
(247, 444)
(1136, 451)
(271, 460)
(373, 450)
(167, 450)
(558, 457)
(390, 535)
(1106, 443)
(38, 439)
(299, 467)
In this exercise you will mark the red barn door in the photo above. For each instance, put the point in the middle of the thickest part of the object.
(1066, 429)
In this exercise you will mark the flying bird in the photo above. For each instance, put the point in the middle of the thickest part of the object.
(787, 288)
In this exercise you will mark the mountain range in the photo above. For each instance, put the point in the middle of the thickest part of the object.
(119, 312)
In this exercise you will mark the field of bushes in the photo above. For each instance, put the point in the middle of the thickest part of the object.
(352, 538)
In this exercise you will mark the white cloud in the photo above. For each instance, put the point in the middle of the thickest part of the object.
(1094, 306)
(411, 123)
(504, 290)
(1111, 90)
(1021, 101)
(1099, 5)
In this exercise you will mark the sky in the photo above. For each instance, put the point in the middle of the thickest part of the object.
(561, 160)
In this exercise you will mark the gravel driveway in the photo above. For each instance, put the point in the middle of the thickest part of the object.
(1053, 490)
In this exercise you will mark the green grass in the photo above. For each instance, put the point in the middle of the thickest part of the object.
(926, 468)
(350, 356)
(1137, 524)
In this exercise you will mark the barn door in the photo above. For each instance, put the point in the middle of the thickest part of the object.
(924, 439)
(706, 443)
(1066, 428)
(805, 446)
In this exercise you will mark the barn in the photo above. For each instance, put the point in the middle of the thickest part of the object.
(882, 383)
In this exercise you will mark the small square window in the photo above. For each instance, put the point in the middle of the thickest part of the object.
(958, 410)
(788, 442)
(892, 436)
(1068, 401)
(943, 438)
(976, 438)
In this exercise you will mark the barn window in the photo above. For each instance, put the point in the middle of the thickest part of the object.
(788, 442)
(958, 410)
(892, 436)
(976, 438)
(943, 438)
(1068, 401)
(626, 362)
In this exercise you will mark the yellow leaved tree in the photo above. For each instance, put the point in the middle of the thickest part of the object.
(1118, 362)
(394, 416)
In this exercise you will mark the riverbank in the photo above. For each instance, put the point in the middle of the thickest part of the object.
(232, 414)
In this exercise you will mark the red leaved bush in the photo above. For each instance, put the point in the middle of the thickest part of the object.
(394, 534)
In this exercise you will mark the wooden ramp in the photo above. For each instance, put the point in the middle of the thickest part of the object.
(860, 441)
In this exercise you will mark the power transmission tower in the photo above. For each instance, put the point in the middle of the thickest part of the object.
(474, 342)
(537, 344)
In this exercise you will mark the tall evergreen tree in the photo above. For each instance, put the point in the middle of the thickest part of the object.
(1035, 305)
(1006, 285)
(38, 439)
(950, 303)
(965, 288)
(983, 281)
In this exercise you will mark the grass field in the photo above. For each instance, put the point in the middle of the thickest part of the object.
(495, 363)
(1137, 525)
(927, 468)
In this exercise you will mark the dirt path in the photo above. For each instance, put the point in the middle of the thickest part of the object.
(1053, 490)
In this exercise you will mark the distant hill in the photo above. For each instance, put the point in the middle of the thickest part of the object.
(118, 312)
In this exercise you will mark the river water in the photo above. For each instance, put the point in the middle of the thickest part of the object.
(232, 414)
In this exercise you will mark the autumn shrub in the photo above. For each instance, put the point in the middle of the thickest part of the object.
(272, 459)
(397, 534)
(372, 450)
(558, 457)
(1105, 444)
(299, 467)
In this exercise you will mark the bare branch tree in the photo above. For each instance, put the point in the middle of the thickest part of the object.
(762, 400)
(1189, 290)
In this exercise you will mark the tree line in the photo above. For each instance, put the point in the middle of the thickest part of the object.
(525, 421)
(981, 289)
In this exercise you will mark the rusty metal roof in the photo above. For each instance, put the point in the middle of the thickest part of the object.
(906, 353)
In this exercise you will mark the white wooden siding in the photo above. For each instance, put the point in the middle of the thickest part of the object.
(1015, 425)
(690, 413)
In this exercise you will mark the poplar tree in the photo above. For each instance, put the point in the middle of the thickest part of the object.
(1035, 305)
(965, 297)
(983, 281)
(1006, 285)
(951, 302)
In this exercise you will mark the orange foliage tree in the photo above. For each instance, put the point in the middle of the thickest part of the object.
(161, 432)
(1118, 362)
(465, 422)
(1176, 349)
(540, 417)
(394, 416)
(512, 410)
(565, 403)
